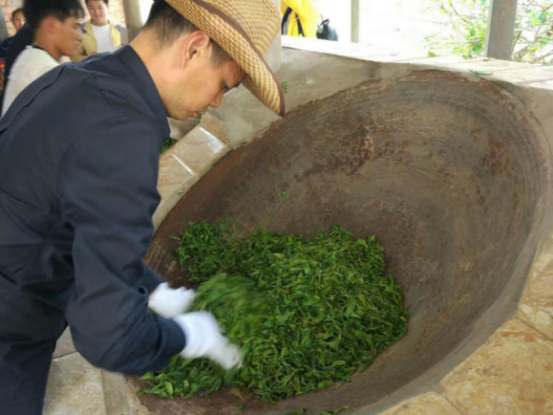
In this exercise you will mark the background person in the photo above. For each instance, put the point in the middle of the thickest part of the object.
(57, 32)
(18, 20)
(101, 35)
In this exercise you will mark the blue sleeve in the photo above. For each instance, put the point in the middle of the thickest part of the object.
(108, 187)
(4, 48)
(151, 280)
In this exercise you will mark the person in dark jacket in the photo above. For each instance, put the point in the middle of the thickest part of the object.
(18, 20)
(79, 155)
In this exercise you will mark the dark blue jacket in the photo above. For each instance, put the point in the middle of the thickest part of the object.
(79, 154)
(4, 47)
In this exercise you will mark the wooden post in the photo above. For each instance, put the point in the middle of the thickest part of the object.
(501, 29)
(3, 28)
(355, 21)
(133, 17)
(274, 54)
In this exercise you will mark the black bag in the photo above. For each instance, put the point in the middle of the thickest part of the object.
(327, 32)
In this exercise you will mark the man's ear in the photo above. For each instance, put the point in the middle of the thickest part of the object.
(196, 45)
(50, 24)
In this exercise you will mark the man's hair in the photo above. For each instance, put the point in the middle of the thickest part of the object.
(37, 10)
(105, 1)
(16, 11)
(168, 25)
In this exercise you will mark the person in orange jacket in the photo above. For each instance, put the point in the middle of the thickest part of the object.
(304, 12)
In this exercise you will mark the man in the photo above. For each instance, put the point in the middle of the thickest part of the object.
(57, 34)
(18, 20)
(78, 190)
(100, 34)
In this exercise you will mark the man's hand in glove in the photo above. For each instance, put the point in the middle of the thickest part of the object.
(169, 302)
(204, 339)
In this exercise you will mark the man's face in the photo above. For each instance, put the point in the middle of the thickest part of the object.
(18, 21)
(200, 84)
(98, 12)
(69, 34)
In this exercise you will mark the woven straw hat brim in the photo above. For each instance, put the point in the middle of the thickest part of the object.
(225, 30)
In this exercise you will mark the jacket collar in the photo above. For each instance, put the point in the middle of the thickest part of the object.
(130, 59)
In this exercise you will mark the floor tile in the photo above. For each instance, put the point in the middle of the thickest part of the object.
(74, 388)
(199, 150)
(511, 374)
(64, 345)
(427, 404)
(536, 306)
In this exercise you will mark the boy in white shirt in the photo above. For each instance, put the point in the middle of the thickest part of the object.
(57, 34)
(101, 29)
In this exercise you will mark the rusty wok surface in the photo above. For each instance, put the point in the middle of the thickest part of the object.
(448, 173)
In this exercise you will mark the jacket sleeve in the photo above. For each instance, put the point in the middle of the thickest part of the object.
(108, 188)
(151, 280)
(4, 48)
(116, 37)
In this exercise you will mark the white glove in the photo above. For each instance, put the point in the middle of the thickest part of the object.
(168, 302)
(204, 339)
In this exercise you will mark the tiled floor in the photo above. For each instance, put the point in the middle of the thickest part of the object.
(510, 374)
(74, 386)
(427, 404)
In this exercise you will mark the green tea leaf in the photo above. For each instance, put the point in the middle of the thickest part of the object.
(167, 144)
(481, 73)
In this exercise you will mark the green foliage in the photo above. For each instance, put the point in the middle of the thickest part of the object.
(307, 313)
(533, 41)
(534, 32)
(468, 20)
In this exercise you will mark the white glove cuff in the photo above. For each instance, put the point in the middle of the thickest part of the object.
(168, 302)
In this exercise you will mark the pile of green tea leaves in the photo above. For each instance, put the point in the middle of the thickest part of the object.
(307, 312)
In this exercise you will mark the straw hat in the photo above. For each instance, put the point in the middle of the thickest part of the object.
(244, 29)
